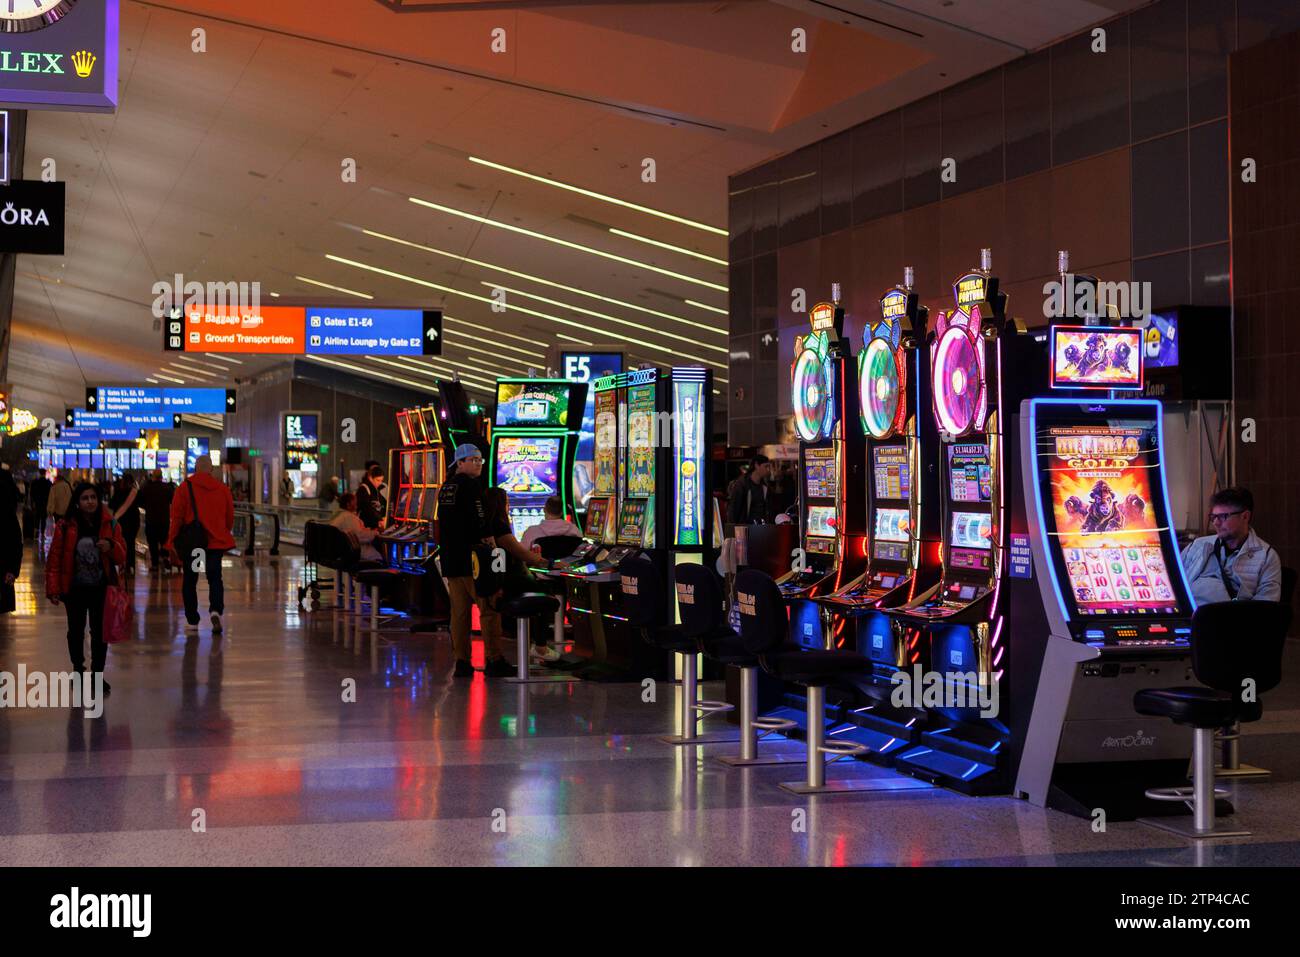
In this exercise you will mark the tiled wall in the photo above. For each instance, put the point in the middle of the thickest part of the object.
(1119, 157)
(1266, 282)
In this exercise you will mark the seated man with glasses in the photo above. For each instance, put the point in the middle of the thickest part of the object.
(1234, 563)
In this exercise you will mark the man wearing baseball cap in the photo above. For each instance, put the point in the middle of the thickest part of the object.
(460, 528)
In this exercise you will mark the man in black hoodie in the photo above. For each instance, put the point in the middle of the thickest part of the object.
(156, 500)
(371, 504)
(461, 527)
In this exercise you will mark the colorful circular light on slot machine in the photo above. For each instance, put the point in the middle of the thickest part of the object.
(879, 386)
(958, 381)
(811, 393)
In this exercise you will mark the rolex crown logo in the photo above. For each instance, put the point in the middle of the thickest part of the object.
(83, 61)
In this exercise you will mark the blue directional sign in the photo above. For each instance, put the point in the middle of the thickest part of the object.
(123, 400)
(84, 419)
(362, 331)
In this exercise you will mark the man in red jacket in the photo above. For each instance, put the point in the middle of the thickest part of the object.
(203, 496)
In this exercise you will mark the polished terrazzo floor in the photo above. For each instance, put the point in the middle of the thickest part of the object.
(250, 734)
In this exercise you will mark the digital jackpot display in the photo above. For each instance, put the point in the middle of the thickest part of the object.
(641, 442)
(527, 469)
(195, 446)
(1103, 519)
(970, 472)
(891, 536)
(891, 473)
(1096, 357)
(302, 452)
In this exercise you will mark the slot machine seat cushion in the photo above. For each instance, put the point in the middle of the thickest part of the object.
(379, 575)
(530, 605)
(725, 647)
(646, 602)
(704, 616)
(816, 668)
(1198, 707)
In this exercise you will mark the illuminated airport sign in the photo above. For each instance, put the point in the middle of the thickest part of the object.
(136, 400)
(304, 330)
(60, 56)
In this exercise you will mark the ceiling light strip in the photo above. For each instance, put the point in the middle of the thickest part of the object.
(601, 196)
(451, 211)
(325, 285)
(705, 306)
(524, 309)
(548, 282)
(669, 246)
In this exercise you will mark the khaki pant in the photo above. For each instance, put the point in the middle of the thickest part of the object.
(461, 592)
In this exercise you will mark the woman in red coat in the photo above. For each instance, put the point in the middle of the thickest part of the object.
(86, 547)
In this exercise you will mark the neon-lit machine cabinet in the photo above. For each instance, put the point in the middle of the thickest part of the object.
(832, 510)
(980, 365)
(1110, 581)
(533, 445)
(902, 492)
(417, 469)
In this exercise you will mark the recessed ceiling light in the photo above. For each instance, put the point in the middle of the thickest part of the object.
(669, 246)
(325, 285)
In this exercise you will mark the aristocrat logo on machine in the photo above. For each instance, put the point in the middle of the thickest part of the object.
(1135, 740)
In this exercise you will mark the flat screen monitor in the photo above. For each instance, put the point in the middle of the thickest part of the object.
(417, 468)
(1096, 357)
(1160, 341)
(821, 521)
(429, 416)
(527, 469)
(893, 525)
(404, 428)
(971, 530)
(1102, 506)
(891, 474)
(970, 477)
(819, 473)
(536, 403)
(631, 521)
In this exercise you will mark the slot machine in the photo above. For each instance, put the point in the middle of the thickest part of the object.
(417, 469)
(534, 440)
(832, 510)
(1109, 580)
(963, 621)
(651, 496)
(901, 491)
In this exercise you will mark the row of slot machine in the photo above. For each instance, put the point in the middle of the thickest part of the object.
(992, 522)
(652, 496)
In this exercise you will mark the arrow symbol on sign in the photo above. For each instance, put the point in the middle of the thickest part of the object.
(433, 334)
(767, 339)
(230, 400)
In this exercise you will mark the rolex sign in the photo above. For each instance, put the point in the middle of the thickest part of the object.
(31, 217)
(59, 55)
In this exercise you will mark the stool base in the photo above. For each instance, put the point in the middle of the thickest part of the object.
(849, 785)
(1243, 772)
(1186, 827)
(704, 737)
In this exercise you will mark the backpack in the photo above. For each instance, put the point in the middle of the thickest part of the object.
(192, 534)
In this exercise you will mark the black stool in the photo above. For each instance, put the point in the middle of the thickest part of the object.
(704, 618)
(524, 608)
(647, 601)
(765, 633)
(1237, 654)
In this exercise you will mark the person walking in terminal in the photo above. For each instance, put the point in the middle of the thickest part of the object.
(156, 500)
(11, 543)
(126, 509)
(747, 497)
(462, 524)
(40, 493)
(60, 496)
(86, 548)
(347, 519)
(370, 500)
(203, 499)
(1234, 564)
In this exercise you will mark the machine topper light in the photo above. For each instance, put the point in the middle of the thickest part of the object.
(957, 361)
(812, 377)
(882, 369)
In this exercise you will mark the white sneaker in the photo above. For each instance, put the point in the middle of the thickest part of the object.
(544, 653)
(216, 623)
(191, 629)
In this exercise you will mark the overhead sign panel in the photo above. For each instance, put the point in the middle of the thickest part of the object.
(305, 330)
(31, 216)
(59, 55)
(139, 401)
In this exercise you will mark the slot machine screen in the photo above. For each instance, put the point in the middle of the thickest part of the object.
(430, 505)
(150, 459)
(1102, 506)
(403, 503)
(970, 542)
(404, 429)
(1160, 342)
(641, 441)
(969, 473)
(415, 503)
(606, 442)
(892, 539)
(631, 521)
(417, 469)
(430, 417)
(819, 473)
(821, 521)
(532, 403)
(597, 515)
(527, 468)
(890, 472)
(1096, 357)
